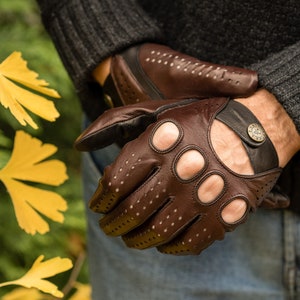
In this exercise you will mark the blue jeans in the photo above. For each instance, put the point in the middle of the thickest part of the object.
(258, 261)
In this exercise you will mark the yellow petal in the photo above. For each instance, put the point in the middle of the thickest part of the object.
(27, 162)
(24, 294)
(83, 292)
(40, 270)
(14, 97)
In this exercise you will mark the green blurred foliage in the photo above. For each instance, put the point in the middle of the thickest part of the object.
(21, 30)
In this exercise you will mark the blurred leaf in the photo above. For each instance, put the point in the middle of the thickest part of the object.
(26, 164)
(5, 154)
(83, 292)
(40, 270)
(5, 144)
(4, 141)
(14, 69)
(24, 294)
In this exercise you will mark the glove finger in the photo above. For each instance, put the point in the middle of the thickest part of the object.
(136, 208)
(196, 238)
(122, 122)
(130, 170)
(162, 227)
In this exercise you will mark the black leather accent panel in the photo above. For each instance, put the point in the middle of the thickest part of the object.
(131, 56)
(238, 117)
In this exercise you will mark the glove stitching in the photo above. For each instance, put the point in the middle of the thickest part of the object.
(174, 145)
(231, 226)
(203, 178)
(178, 156)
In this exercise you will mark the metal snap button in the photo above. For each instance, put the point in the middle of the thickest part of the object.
(256, 132)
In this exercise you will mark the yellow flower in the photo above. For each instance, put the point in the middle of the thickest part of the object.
(40, 270)
(27, 163)
(14, 70)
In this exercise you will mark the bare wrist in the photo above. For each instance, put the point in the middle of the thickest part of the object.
(102, 71)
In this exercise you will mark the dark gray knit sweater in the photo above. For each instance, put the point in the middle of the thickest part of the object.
(263, 35)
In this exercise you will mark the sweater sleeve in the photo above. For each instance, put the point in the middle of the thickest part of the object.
(280, 74)
(86, 32)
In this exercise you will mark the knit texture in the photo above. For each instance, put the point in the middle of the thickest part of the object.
(280, 74)
(249, 33)
(86, 32)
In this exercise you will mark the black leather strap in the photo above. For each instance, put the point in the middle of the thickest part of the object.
(241, 120)
(131, 56)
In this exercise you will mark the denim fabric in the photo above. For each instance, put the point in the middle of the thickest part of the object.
(258, 261)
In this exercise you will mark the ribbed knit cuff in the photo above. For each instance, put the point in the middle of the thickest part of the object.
(280, 74)
(86, 32)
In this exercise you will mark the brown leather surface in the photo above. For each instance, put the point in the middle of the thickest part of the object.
(152, 71)
(149, 205)
(178, 75)
(116, 124)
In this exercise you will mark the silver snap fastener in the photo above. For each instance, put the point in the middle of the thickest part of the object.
(256, 132)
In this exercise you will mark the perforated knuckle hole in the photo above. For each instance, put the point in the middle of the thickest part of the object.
(234, 211)
(165, 136)
(210, 188)
(189, 164)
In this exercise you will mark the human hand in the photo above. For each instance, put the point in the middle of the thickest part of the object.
(153, 72)
(181, 190)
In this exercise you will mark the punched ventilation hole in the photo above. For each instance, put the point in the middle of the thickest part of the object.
(120, 226)
(109, 203)
(264, 189)
(150, 239)
(174, 252)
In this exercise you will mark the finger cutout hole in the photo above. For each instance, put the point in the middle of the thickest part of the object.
(189, 164)
(165, 136)
(210, 188)
(233, 154)
(234, 211)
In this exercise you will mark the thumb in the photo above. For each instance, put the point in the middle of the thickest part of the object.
(122, 124)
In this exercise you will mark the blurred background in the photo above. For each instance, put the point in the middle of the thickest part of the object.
(21, 30)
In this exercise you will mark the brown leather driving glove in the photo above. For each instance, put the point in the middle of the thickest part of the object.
(144, 198)
(153, 72)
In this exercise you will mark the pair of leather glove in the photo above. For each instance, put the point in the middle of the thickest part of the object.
(143, 196)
